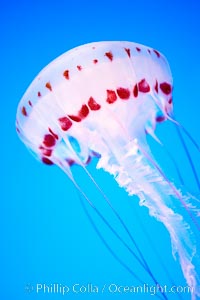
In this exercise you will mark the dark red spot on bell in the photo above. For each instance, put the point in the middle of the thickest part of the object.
(18, 130)
(135, 91)
(143, 86)
(30, 103)
(156, 86)
(156, 52)
(39, 94)
(48, 86)
(24, 112)
(66, 74)
(123, 93)
(75, 118)
(149, 51)
(111, 96)
(95, 61)
(47, 161)
(138, 49)
(49, 140)
(95, 154)
(88, 160)
(65, 123)
(79, 68)
(170, 101)
(128, 51)
(160, 119)
(83, 112)
(45, 152)
(166, 88)
(54, 134)
(70, 161)
(93, 105)
(109, 55)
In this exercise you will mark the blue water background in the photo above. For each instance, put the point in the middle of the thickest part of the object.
(46, 237)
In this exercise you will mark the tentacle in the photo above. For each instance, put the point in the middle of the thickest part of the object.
(189, 157)
(68, 172)
(141, 260)
(122, 223)
(173, 120)
(175, 165)
(178, 229)
(154, 136)
(104, 220)
(150, 242)
(180, 127)
(120, 261)
(176, 192)
(105, 243)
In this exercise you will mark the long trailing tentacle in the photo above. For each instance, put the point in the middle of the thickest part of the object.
(110, 249)
(105, 243)
(186, 250)
(189, 157)
(176, 192)
(141, 259)
(175, 165)
(122, 223)
(169, 154)
(105, 221)
(173, 120)
(156, 252)
(180, 127)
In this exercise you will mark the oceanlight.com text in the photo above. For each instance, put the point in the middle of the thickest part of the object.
(109, 288)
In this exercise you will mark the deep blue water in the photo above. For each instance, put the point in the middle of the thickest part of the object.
(46, 237)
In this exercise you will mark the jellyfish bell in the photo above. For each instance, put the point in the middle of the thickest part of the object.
(102, 100)
(90, 76)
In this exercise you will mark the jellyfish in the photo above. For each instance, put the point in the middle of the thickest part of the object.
(101, 101)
